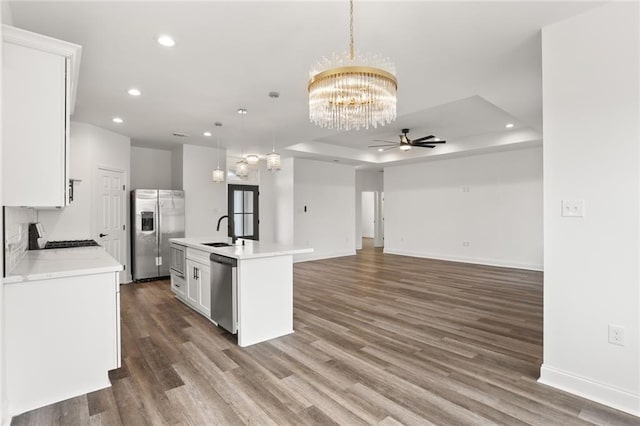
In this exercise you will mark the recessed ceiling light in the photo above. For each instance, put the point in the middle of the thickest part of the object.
(207, 134)
(134, 92)
(509, 126)
(117, 120)
(166, 41)
(380, 149)
(252, 159)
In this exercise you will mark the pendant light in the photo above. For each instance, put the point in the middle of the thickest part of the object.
(218, 173)
(352, 91)
(273, 158)
(242, 167)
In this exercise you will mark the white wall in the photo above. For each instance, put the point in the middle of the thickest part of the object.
(328, 192)
(90, 147)
(5, 18)
(366, 180)
(205, 200)
(592, 152)
(367, 217)
(176, 168)
(492, 201)
(276, 203)
(151, 168)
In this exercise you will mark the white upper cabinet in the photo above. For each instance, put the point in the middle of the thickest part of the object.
(38, 92)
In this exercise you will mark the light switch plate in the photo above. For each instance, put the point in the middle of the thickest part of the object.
(573, 208)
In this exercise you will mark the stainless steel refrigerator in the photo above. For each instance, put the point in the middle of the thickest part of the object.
(156, 216)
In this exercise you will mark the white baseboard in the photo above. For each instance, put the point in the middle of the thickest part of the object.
(475, 260)
(321, 256)
(611, 396)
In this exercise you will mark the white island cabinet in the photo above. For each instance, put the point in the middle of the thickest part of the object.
(264, 285)
(62, 326)
(40, 79)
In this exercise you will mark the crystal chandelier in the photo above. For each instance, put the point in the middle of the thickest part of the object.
(352, 91)
(218, 174)
(242, 167)
(273, 158)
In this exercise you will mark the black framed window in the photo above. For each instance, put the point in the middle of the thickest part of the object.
(243, 208)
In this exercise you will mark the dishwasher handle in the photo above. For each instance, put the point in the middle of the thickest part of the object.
(224, 260)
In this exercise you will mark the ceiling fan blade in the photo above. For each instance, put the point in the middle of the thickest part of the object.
(424, 146)
(393, 147)
(380, 140)
(378, 146)
(422, 139)
(428, 143)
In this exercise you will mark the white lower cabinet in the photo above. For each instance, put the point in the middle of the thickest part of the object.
(199, 286)
(178, 286)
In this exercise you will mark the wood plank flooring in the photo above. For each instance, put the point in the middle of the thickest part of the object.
(380, 339)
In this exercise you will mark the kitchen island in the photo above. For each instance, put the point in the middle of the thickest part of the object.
(262, 284)
(62, 325)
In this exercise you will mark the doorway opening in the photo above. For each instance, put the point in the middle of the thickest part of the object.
(372, 219)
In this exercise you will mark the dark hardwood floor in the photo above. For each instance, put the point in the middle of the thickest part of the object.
(380, 339)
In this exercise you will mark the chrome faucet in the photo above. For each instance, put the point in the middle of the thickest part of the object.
(230, 227)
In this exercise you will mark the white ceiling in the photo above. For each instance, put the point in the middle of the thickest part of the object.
(464, 69)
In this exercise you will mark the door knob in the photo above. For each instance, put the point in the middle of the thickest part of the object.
(103, 235)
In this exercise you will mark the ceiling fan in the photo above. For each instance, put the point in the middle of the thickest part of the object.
(406, 144)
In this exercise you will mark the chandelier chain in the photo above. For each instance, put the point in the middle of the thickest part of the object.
(351, 43)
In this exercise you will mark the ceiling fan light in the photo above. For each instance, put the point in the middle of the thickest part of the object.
(218, 175)
(405, 147)
(273, 161)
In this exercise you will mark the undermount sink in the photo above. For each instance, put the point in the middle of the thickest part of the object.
(217, 244)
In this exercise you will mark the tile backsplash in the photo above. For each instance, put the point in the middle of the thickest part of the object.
(16, 234)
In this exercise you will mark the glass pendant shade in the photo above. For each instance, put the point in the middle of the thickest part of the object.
(242, 168)
(273, 161)
(218, 175)
(253, 159)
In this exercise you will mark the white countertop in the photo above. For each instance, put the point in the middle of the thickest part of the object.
(58, 263)
(251, 250)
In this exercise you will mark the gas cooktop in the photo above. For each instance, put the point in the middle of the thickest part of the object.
(70, 244)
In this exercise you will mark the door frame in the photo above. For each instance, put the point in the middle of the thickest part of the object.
(124, 215)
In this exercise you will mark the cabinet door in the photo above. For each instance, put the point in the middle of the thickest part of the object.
(193, 284)
(34, 112)
(205, 290)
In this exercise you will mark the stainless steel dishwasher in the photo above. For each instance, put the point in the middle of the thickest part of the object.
(224, 285)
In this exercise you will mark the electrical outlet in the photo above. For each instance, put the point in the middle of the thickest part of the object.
(465, 189)
(573, 208)
(616, 334)
(466, 244)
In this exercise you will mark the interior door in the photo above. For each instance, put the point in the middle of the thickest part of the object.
(111, 213)
(243, 208)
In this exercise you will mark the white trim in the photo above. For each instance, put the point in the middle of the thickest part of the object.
(602, 393)
(48, 44)
(474, 260)
(322, 256)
